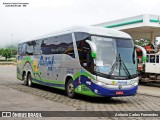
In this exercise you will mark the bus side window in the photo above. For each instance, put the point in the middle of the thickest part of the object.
(62, 44)
(37, 47)
(19, 49)
(30, 47)
(68, 45)
(24, 47)
(157, 58)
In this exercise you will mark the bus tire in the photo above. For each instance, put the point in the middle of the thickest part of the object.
(29, 80)
(24, 80)
(70, 89)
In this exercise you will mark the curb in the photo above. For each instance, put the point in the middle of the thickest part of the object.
(8, 63)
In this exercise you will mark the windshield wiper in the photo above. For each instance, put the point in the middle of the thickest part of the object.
(125, 68)
(113, 66)
(119, 60)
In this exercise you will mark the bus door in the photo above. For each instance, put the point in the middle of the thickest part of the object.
(85, 58)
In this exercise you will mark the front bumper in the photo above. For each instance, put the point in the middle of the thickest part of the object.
(93, 89)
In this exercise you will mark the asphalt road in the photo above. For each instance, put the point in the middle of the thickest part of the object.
(14, 96)
(151, 89)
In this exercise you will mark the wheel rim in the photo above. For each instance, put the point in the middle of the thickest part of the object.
(70, 89)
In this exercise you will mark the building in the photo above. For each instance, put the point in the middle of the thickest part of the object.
(139, 27)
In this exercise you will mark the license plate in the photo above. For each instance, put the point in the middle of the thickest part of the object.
(119, 92)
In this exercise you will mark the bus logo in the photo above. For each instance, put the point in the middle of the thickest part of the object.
(120, 86)
(113, 82)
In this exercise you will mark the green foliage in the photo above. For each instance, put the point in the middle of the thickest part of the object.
(1, 51)
(6, 53)
(8, 50)
(142, 42)
(14, 52)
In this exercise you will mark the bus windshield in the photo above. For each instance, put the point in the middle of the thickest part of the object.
(115, 56)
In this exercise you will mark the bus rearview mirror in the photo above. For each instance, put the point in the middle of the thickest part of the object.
(93, 54)
(93, 48)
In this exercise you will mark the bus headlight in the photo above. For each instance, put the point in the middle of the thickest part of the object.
(134, 82)
(99, 83)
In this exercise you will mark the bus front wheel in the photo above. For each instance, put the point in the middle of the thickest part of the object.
(24, 79)
(70, 89)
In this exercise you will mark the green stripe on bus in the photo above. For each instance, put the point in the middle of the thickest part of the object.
(85, 74)
(54, 81)
(51, 81)
(28, 58)
(88, 92)
(77, 75)
(62, 88)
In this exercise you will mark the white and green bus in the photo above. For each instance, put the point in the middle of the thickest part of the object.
(88, 60)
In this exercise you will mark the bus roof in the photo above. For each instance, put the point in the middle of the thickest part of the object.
(88, 29)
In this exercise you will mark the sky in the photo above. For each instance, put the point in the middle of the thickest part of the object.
(40, 17)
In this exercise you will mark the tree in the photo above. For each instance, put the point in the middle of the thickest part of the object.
(14, 53)
(7, 53)
(1, 51)
(142, 42)
(13, 49)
